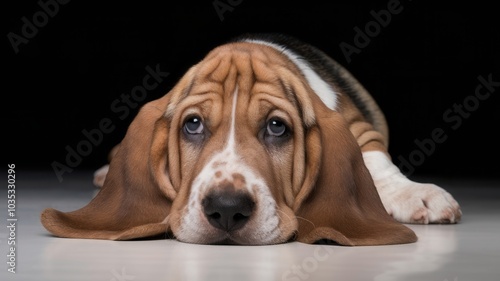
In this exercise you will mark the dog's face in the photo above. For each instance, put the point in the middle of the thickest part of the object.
(238, 126)
(243, 150)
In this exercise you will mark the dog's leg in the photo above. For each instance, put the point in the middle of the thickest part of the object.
(408, 201)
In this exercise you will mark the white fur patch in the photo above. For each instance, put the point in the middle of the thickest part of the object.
(320, 87)
(263, 226)
(408, 201)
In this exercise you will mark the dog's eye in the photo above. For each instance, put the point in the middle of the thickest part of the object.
(276, 133)
(193, 125)
(276, 128)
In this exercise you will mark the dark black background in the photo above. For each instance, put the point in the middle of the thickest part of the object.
(425, 61)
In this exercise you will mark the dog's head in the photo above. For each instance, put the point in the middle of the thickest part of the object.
(242, 150)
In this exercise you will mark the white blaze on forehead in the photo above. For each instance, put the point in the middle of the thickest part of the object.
(319, 86)
(231, 141)
(264, 225)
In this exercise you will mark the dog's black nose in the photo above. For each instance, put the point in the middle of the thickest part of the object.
(228, 210)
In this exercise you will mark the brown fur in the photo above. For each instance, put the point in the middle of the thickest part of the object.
(318, 180)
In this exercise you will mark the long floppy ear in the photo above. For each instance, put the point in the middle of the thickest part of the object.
(137, 194)
(131, 203)
(338, 200)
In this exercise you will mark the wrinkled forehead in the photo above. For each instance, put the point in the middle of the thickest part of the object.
(249, 68)
(244, 65)
(246, 58)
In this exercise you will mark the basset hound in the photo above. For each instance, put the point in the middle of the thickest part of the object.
(266, 140)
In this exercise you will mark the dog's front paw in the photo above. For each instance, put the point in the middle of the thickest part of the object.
(412, 202)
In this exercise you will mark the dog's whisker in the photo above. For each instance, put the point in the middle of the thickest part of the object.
(304, 219)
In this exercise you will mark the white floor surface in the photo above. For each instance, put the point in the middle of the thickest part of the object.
(468, 251)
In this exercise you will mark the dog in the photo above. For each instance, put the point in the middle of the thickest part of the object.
(266, 140)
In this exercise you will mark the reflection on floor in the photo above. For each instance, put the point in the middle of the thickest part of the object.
(466, 251)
